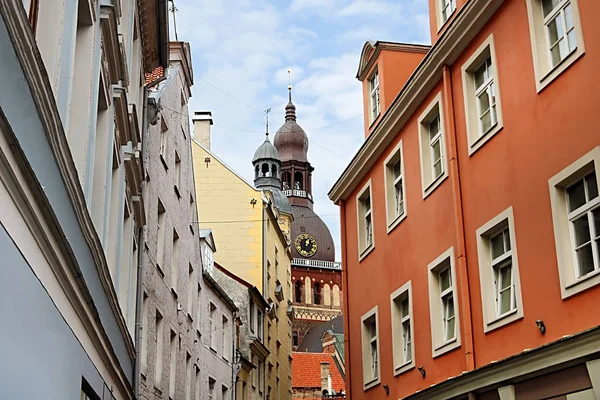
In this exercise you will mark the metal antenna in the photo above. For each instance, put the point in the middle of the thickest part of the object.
(267, 111)
(174, 9)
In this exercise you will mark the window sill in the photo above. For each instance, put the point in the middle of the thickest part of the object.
(372, 383)
(446, 347)
(189, 317)
(503, 320)
(372, 123)
(444, 23)
(581, 284)
(559, 68)
(477, 144)
(396, 222)
(433, 185)
(160, 271)
(174, 293)
(407, 366)
(365, 252)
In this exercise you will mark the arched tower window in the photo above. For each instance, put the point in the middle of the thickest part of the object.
(298, 292)
(317, 293)
(274, 170)
(265, 169)
(285, 177)
(326, 295)
(298, 181)
(307, 291)
(256, 171)
(336, 296)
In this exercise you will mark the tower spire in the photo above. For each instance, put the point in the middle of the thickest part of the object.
(267, 111)
(290, 109)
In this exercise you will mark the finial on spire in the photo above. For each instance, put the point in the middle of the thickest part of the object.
(267, 111)
(290, 83)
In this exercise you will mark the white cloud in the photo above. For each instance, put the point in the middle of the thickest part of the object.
(369, 7)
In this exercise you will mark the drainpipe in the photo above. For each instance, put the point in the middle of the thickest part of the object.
(346, 308)
(459, 221)
(141, 249)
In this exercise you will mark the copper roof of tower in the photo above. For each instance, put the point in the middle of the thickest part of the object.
(306, 221)
(291, 140)
(266, 151)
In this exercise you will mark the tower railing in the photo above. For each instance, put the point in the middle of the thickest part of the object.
(297, 193)
(317, 263)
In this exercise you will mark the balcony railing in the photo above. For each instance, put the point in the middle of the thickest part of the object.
(297, 193)
(317, 263)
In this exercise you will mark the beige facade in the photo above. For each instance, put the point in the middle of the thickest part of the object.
(253, 240)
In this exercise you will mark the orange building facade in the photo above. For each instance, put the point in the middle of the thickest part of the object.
(470, 216)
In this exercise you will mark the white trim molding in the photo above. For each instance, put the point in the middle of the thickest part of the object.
(493, 271)
(395, 202)
(403, 352)
(432, 116)
(570, 284)
(477, 135)
(370, 378)
(544, 68)
(366, 240)
(437, 312)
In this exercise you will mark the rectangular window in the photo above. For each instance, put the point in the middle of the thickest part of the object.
(175, 263)
(394, 187)
(252, 310)
(211, 326)
(197, 381)
(364, 207)
(160, 245)
(432, 146)
(198, 306)
(374, 96)
(193, 218)
(224, 341)
(164, 139)
(402, 329)
(370, 345)
(211, 389)
(556, 36)
(224, 391)
(188, 380)
(442, 303)
(576, 216)
(190, 299)
(482, 97)
(499, 271)
(259, 320)
(172, 364)
(158, 332)
(447, 7)
(144, 344)
(177, 185)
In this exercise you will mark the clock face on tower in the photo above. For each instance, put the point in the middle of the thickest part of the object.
(306, 245)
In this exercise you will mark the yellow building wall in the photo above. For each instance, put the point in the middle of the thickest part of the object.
(279, 268)
(224, 205)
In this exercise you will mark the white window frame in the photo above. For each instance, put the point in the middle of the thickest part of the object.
(374, 96)
(364, 245)
(440, 6)
(439, 345)
(212, 311)
(570, 283)
(545, 72)
(429, 181)
(399, 322)
(394, 216)
(476, 137)
(371, 377)
(488, 279)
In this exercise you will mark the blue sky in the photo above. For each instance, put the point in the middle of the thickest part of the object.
(241, 50)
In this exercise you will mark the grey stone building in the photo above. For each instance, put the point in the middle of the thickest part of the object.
(253, 353)
(72, 127)
(187, 319)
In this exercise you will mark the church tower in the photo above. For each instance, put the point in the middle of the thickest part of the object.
(316, 277)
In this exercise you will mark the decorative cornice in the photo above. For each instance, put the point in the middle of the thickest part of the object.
(29, 57)
(468, 22)
(371, 51)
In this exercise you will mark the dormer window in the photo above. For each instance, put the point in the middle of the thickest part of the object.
(374, 95)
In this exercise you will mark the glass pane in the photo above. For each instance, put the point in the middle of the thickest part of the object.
(450, 309)
(484, 102)
(507, 240)
(404, 307)
(569, 16)
(596, 218)
(480, 75)
(581, 228)
(373, 329)
(436, 150)
(506, 277)
(445, 279)
(497, 243)
(434, 127)
(592, 186)
(564, 48)
(505, 298)
(576, 195)
(486, 122)
(555, 53)
(437, 169)
(553, 31)
(396, 169)
(585, 260)
(549, 5)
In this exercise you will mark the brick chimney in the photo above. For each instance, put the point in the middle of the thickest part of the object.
(325, 377)
(202, 121)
